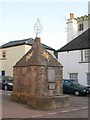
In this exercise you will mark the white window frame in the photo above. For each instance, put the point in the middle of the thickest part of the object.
(81, 55)
(73, 76)
(85, 55)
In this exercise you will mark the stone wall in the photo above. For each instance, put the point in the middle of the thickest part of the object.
(38, 79)
(34, 81)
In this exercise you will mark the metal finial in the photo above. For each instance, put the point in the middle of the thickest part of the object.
(38, 27)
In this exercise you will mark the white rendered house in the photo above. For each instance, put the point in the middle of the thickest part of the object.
(75, 55)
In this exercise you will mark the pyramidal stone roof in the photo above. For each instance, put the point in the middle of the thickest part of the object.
(37, 55)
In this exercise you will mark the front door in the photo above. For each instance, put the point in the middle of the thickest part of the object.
(2, 73)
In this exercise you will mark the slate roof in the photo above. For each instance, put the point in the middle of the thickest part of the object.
(79, 43)
(28, 41)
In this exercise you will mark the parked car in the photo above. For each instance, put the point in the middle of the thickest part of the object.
(6, 82)
(88, 88)
(74, 87)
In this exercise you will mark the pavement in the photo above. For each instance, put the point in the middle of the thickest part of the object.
(78, 108)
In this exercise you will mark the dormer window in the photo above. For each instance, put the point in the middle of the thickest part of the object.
(80, 27)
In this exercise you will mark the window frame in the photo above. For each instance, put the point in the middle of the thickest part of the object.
(81, 55)
(73, 76)
(85, 56)
(3, 54)
(81, 27)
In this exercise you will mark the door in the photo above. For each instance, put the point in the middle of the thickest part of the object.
(3, 73)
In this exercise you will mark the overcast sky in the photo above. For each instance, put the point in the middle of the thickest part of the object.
(19, 17)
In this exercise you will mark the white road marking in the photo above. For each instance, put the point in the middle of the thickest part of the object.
(82, 108)
(85, 107)
(37, 116)
(76, 109)
(65, 111)
(52, 113)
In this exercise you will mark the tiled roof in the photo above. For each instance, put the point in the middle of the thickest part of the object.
(79, 43)
(28, 41)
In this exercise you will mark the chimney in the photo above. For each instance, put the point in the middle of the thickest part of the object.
(71, 16)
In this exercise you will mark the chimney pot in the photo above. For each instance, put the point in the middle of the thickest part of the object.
(71, 16)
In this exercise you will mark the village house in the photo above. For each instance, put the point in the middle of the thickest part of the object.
(75, 55)
(12, 51)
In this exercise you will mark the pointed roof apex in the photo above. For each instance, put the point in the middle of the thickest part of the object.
(37, 40)
(37, 56)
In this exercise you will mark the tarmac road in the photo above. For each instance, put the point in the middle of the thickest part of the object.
(78, 108)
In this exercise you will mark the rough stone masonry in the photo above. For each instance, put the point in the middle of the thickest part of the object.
(38, 79)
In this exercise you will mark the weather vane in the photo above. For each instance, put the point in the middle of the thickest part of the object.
(38, 27)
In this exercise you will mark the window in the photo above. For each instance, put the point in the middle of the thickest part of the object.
(88, 78)
(67, 82)
(3, 54)
(87, 55)
(73, 76)
(81, 55)
(80, 28)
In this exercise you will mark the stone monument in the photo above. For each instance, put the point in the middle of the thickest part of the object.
(38, 78)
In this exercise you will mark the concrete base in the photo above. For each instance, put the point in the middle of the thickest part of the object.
(44, 103)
